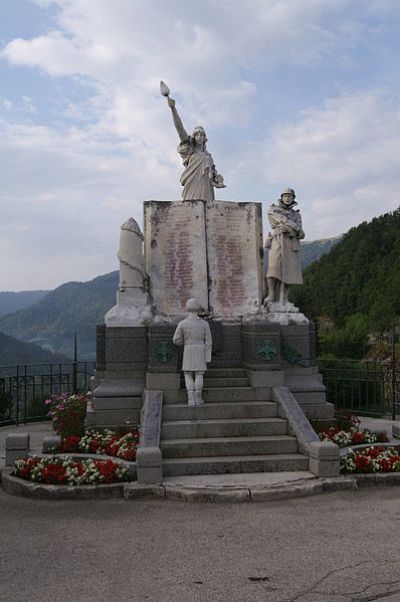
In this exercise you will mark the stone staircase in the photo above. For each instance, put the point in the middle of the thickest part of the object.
(234, 432)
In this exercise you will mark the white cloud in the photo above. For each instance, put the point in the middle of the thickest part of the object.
(6, 104)
(70, 180)
(343, 158)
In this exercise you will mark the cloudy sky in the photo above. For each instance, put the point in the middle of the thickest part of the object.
(292, 93)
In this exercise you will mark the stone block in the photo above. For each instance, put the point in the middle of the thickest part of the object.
(396, 429)
(17, 447)
(163, 381)
(134, 491)
(162, 353)
(18, 441)
(227, 345)
(117, 403)
(261, 346)
(51, 444)
(112, 418)
(100, 347)
(126, 350)
(119, 387)
(149, 465)
(324, 459)
(267, 378)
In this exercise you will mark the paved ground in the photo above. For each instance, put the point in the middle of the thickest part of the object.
(340, 547)
(337, 547)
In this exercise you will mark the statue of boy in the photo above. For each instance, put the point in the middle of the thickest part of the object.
(284, 267)
(194, 333)
(200, 176)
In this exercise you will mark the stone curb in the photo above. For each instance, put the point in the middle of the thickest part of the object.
(20, 487)
(136, 491)
(240, 494)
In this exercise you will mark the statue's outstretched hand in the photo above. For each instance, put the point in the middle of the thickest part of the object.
(171, 102)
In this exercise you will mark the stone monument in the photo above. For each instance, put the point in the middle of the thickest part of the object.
(212, 251)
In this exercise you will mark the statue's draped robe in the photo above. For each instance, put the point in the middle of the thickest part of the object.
(195, 178)
(284, 257)
(194, 333)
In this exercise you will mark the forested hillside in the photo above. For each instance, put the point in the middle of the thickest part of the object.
(354, 290)
(310, 250)
(314, 249)
(13, 352)
(72, 307)
(11, 302)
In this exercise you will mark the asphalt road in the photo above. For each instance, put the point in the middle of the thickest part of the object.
(342, 546)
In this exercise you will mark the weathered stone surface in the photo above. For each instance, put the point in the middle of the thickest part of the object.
(17, 486)
(163, 355)
(18, 441)
(100, 347)
(51, 444)
(148, 457)
(261, 346)
(163, 381)
(175, 254)
(324, 459)
(234, 240)
(134, 491)
(210, 252)
(17, 447)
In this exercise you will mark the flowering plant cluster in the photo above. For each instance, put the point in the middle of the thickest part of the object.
(347, 432)
(372, 459)
(68, 413)
(107, 442)
(65, 471)
(353, 436)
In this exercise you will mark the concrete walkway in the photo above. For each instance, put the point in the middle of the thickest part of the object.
(341, 547)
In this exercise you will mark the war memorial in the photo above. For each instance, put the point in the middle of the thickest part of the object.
(248, 409)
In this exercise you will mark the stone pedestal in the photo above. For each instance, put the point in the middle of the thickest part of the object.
(213, 252)
(120, 376)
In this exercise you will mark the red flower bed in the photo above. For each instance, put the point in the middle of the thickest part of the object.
(122, 446)
(65, 471)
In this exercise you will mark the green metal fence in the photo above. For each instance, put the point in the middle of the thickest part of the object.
(24, 388)
(362, 387)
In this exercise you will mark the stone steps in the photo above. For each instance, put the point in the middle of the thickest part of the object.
(226, 381)
(217, 394)
(221, 410)
(230, 427)
(226, 373)
(235, 464)
(228, 446)
(236, 430)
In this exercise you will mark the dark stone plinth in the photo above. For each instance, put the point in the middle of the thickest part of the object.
(261, 345)
(227, 345)
(163, 355)
(126, 346)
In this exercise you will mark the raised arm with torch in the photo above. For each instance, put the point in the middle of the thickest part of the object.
(200, 176)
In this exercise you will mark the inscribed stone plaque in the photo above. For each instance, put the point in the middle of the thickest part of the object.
(175, 253)
(234, 242)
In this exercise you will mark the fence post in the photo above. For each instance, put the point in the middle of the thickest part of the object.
(393, 374)
(17, 396)
(75, 368)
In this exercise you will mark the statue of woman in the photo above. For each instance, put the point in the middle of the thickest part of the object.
(200, 176)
